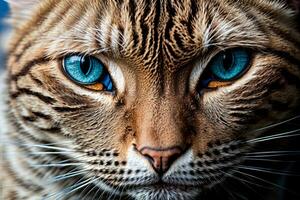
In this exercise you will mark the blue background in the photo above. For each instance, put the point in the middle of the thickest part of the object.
(3, 13)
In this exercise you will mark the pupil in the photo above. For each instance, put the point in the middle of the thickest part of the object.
(227, 60)
(85, 65)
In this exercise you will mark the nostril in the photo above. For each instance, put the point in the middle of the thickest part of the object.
(161, 159)
(149, 158)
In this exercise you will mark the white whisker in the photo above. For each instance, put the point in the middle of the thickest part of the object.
(265, 170)
(275, 136)
(264, 181)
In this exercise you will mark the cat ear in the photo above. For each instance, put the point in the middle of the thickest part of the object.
(21, 10)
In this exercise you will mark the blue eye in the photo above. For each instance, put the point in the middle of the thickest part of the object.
(229, 64)
(87, 71)
(225, 67)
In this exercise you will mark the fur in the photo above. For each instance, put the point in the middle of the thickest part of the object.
(68, 141)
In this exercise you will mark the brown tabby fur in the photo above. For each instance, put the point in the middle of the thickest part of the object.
(158, 48)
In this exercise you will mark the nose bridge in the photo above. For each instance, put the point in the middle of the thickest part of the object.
(159, 123)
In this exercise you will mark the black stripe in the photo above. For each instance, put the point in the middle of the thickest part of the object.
(132, 11)
(135, 37)
(172, 12)
(20, 131)
(145, 31)
(26, 68)
(22, 91)
(23, 136)
(36, 80)
(172, 53)
(34, 118)
(120, 3)
(157, 42)
(41, 115)
(55, 129)
(274, 28)
(178, 41)
(148, 61)
(19, 55)
(37, 114)
(284, 34)
(69, 109)
(144, 27)
(285, 55)
(193, 12)
(29, 118)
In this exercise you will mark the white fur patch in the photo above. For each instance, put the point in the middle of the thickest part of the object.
(3, 98)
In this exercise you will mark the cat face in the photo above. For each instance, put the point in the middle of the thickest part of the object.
(153, 99)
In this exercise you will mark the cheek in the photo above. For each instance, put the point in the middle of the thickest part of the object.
(96, 128)
(267, 98)
(208, 133)
(89, 122)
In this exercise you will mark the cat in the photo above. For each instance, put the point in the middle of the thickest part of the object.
(152, 100)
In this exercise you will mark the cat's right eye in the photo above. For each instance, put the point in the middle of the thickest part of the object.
(225, 67)
(87, 71)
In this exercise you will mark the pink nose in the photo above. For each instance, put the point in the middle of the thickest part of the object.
(161, 159)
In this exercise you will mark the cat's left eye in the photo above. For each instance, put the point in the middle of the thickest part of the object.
(88, 71)
(225, 67)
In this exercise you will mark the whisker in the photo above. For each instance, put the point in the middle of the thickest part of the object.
(14, 142)
(95, 186)
(57, 165)
(271, 155)
(267, 182)
(272, 152)
(51, 147)
(122, 191)
(275, 136)
(244, 181)
(266, 170)
(50, 153)
(267, 160)
(44, 146)
(96, 193)
(94, 179)
(69, 189)
(88, 182)
(276, 124)
(66, 176)
(64, 191)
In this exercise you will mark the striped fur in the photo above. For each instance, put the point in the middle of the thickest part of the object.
(67, 142)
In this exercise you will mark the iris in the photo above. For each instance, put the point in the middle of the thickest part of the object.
(229, 64)
(87, 71)
(225, 67)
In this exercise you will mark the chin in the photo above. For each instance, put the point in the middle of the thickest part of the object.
(164, 193)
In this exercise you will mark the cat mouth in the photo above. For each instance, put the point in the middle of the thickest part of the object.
(161, 185)
(162, 190)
